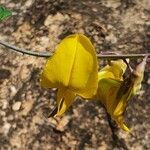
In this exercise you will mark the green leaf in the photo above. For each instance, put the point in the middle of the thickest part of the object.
(4, 13)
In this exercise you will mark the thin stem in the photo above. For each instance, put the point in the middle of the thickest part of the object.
(24, 51)
(47, 54)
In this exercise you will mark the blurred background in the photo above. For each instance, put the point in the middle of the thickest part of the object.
(112, 25)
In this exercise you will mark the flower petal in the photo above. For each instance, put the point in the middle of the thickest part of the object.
(117, 68)
(120, 122)
(107, 91)
(74, 65)
(64, 100)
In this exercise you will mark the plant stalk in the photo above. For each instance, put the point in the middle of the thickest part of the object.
(47, 54)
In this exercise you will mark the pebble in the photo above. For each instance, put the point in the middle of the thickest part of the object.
(63, 123)
(2, 113)
(10, 118)
(6, 127)
(16, 106)
(111, 38)
(5, 105)
(148, 82)
(28, 3)
(13, 91)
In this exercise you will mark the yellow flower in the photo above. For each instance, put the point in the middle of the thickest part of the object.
(73, 70)
(114, 93)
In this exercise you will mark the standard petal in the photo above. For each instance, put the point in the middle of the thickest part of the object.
(64, 100)
(74, 65)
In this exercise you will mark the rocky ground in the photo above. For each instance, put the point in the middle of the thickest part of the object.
(40, 25)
